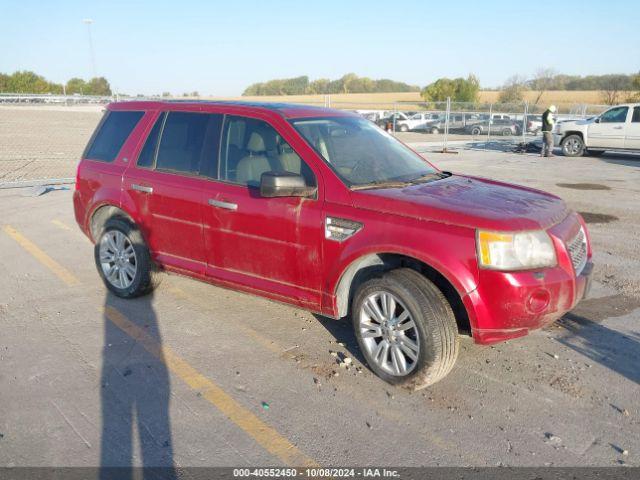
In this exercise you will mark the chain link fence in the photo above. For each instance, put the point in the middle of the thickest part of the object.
(42, 136)
(43, 145)
(443, 126)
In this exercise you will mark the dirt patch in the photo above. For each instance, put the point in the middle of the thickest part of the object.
(568, 385)
(584, 186)
(591, 217)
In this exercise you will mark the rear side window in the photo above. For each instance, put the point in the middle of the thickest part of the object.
(111, 135)
(148, 153)
(189, 141)
(636, 115)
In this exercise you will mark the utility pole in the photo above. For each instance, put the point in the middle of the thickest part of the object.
(88, 22)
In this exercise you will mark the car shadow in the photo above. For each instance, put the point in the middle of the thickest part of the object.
(342, 331)
(135, 391)
(619, 352)
(624, 159)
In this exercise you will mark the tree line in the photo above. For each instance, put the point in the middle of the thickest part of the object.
(613, 88)
(29, 82)
(349, 83)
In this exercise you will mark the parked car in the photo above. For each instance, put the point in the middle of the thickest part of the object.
(374, 115)
(457, 123)
(534, 124)
(321, 209)
(395, 117)
(497, 127)
(616, 129)
(418, 121)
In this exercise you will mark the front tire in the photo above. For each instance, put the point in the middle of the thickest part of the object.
(404, 128)
(476, 131)
(435, 130)
(122, 259)
(405, 328)
(573, 146)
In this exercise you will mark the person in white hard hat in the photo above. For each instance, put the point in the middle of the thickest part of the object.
(547, 127)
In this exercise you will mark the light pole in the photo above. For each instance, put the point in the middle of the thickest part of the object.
(88, 22)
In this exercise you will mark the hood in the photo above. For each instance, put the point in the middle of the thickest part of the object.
(580, 121)
(468, 201)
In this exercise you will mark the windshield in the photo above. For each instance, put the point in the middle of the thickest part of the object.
(361, 153)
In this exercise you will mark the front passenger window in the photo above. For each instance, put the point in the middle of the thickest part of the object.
(615, 115)
(251, 147)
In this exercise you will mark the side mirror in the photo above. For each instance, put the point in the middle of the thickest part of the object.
(598, 120)
(284, 184)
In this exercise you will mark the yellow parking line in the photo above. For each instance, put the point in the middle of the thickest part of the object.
(262, 433)
(61, 225)
(62, 273)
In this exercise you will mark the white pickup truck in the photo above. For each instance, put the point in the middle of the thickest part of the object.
(616, 129)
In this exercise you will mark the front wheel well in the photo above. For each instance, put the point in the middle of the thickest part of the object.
(565, 135)
(376, 264)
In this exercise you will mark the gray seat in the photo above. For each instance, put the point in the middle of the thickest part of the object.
(251, 167)
(289, 160)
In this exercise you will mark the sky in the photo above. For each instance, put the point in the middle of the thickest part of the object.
(220, 47)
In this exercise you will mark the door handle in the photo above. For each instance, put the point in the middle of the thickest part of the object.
(141, 188)
(617, 128)
(221, 204)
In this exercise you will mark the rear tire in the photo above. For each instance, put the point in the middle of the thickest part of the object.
(435, 130)
(428, 348)
(476, 131)
(573, 146)
(122, 259)
(507, 132)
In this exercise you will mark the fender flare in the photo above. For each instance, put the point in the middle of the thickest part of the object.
(384, 259)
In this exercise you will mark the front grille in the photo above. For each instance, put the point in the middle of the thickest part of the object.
(578, 251)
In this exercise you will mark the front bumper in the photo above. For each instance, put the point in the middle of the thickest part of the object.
(508, 305)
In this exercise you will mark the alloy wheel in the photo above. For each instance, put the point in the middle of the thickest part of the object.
(118, 259)
(389, 333)
(572, 146)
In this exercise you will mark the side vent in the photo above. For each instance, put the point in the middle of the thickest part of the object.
(340, 229)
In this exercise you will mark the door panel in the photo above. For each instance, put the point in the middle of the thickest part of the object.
(268, 244)
(610, 131)
(171, 216)
(166, 186)
(271, 244)
(632, 133)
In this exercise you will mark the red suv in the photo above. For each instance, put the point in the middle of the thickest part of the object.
(322, 209)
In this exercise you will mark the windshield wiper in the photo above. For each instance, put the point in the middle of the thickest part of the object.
(430, 176)
(405, 183)
(381, 184)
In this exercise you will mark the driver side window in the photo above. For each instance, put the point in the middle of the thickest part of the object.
(615, 115)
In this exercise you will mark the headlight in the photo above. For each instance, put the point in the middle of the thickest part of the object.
(515, 251)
